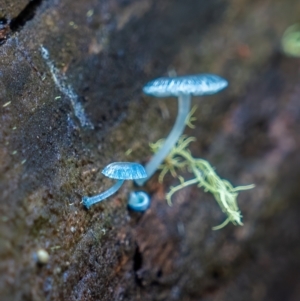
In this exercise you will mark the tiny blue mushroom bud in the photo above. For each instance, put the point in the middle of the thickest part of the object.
(139, 201)
(120, 171)
(182, 87)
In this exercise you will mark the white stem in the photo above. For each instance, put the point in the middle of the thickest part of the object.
(88, 202)
(184, 104)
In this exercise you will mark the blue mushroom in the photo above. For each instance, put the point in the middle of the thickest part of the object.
(139, 201)
(120, 171)
(182, 87)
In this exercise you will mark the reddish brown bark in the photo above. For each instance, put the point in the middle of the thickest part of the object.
(100, 55)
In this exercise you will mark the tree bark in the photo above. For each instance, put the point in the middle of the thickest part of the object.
(71, 76)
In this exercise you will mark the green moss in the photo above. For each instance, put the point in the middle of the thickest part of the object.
(180, 158)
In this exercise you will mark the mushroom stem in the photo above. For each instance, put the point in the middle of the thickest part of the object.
(89, 201)
(184, 104)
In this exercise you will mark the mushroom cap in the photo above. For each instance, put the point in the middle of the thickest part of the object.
(139, 201)
(198, 84)
(125, 171)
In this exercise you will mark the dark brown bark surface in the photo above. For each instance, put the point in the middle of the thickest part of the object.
(71, 76)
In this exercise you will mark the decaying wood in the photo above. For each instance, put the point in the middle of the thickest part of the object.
(71, 74)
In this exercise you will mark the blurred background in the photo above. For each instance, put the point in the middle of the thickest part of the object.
(71, 78)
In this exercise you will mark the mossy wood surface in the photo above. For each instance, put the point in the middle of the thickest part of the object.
(71, 76)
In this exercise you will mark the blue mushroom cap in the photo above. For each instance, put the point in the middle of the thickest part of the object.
(139, 201)
(199, 84)
(125, 171)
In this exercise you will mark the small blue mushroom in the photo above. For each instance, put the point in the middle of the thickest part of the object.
(139, 201)
(120, 171)
(182, 87)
